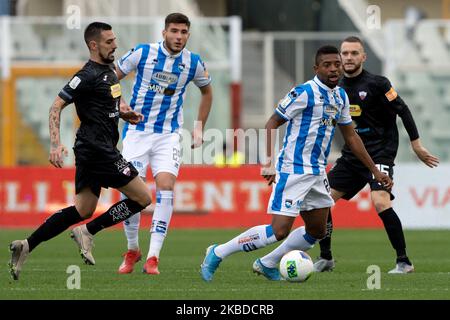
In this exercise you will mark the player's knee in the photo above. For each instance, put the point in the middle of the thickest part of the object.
(317, 233)
(85, 213)
(380, 206)
(165, 186)
(145, 200)
(280, 233)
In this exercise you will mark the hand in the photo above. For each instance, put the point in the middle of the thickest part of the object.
(56, 155)
(197, 138)
(384, 180)
(268, 172)
(425, 156)
(129, 115)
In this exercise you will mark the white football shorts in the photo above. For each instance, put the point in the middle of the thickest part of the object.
(299, 192)
(160, 151)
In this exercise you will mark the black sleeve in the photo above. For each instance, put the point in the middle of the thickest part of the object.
(395, 103)
(78, 85)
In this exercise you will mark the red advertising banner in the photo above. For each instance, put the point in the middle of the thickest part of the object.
(204, 197)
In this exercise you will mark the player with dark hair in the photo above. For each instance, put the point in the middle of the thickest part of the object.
(312, 110)
(163, 72)
(374, 106)
(96, 92)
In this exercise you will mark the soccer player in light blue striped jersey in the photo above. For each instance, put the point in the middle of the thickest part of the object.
(300, 184)
(163, 71)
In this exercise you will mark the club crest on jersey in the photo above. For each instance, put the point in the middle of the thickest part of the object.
(181, 66)
(288, 203)
(362, 95)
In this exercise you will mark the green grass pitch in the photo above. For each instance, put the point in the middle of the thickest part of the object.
(44, 274)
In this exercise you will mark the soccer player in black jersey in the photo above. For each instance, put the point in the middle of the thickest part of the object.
(374, 106)
(95, 91)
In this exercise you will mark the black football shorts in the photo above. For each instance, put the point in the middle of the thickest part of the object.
(107, 175)
(345, 177)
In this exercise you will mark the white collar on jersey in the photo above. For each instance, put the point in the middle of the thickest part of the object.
(167, 53)
(321, 84)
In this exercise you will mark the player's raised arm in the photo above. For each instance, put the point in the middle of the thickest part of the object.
(355, 144)
(57, 150)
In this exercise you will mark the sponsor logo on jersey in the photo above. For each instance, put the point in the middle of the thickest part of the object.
(362, 95)
(165, 77)
(391, 94)
(362, 130)
(116, 90)
(160, 89)
(355, 110)
(330, 122)
(293, 94)
(331, 110)
(74, 82)
(284, 103)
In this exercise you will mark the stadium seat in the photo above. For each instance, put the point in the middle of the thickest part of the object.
(431, 43)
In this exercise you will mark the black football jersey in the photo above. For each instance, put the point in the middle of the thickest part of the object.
(95, 90)
(374, 106)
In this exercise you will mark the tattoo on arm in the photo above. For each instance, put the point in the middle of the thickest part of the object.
(54, 122)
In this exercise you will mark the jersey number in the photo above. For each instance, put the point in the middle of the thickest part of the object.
(383, 168)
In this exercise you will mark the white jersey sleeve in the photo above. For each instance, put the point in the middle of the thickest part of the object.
(292, 104)
(201, 77)
(130, 60)
(345, 117)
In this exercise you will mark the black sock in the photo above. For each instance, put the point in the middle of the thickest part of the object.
(54, 225)
(325, 243)
(394, 229)
(119, 212)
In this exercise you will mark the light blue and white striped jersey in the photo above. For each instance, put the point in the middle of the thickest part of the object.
(313, 110)
(160, 85)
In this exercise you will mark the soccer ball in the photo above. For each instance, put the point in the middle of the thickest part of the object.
(296, 266)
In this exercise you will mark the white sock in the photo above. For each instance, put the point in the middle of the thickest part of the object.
(252, 239)
(160, 221)
(131, 227)
(298, 239)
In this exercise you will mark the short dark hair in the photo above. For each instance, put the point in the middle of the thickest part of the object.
(93, 31)
(177, 18)
(325, 50)
(354, 39)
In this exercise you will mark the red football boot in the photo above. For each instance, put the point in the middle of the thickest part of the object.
(151, 266)
(129, 260)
